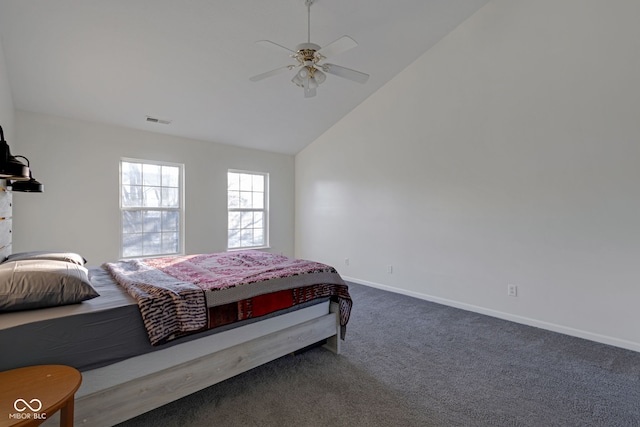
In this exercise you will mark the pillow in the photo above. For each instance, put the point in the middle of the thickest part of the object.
(27, 284)
(56, 256)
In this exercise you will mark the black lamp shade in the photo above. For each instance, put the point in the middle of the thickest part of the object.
(10, 167)
(27, 186)
(31, 186)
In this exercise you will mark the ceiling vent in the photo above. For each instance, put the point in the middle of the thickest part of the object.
(155, 120)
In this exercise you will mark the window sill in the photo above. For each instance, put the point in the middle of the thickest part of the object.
(257, 248)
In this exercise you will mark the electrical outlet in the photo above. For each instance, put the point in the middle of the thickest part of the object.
(390, 269)
(346, 261)
(512, 290)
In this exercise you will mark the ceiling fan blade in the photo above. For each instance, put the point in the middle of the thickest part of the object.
(272, 73)
(346, 73)
(272, 45)
(336, 47)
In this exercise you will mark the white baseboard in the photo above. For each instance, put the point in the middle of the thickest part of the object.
(604, 339)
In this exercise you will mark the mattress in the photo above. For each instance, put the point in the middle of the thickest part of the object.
(89, 335)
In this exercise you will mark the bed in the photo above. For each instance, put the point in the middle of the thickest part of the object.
(131, 365)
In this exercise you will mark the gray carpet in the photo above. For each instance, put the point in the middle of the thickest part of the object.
(408, 362)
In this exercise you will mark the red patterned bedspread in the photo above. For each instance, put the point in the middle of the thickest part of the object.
(185, 294)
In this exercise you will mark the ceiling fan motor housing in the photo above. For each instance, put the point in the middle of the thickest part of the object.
(306, 53)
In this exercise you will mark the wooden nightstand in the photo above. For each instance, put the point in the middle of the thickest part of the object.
(28, 396)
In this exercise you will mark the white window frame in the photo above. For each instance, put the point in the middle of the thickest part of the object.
(264, 210)
(180, 209)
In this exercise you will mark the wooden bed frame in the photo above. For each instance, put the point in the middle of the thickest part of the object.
(109, 395)
(126, 389)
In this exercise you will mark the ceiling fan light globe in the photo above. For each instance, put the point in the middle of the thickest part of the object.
(319, 76)
(313, 83)
(304, 72)
(297, 80)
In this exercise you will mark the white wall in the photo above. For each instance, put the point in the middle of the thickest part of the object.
(6, 101)
(78, 162)
(507, 154)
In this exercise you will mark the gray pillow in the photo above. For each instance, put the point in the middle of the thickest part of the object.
(56, 256)
(27, 284)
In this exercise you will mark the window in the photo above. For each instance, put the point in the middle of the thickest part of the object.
(151, 208)
(247, 203)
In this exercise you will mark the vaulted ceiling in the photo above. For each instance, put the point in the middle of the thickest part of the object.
(189, 61)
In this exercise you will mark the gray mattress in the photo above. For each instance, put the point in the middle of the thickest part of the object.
(88, 335)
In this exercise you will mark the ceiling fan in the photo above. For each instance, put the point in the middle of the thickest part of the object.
(310, 57)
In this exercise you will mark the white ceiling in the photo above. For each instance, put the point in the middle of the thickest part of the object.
(189, 61)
